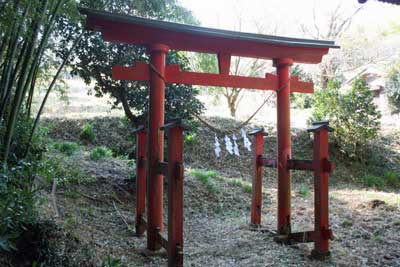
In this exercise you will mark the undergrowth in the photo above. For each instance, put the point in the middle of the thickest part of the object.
(100, 152)
(207, 178)
(87, 133)
(65, 147)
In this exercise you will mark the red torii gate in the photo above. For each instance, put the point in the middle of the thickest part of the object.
(159, 37)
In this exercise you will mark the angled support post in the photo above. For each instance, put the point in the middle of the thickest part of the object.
(322, 168)
(174, 130)
(141, 137)
(256, 197)
(155, 141)
(284, 145)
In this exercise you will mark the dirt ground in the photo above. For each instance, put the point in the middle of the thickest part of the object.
(100, 213)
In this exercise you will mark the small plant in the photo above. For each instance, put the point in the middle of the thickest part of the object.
(392, 178)
(111, 262)
(304, 191)
(236, 182)
(376, 237)
(100, 152)
(206, 178)
(87, 133)
(190, 138)
(373, 181)
(67, 148)
(248, 188)
(347, 223)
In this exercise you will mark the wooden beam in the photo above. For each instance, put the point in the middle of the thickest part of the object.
(173, 74)
(224, 63)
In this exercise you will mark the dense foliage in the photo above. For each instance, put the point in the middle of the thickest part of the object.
(95, 57)
(27, 45)
(393, 90)
(352, 114)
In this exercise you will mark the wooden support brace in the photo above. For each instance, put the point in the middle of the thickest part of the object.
(162, 168)
(301, 165)
(161, 240)
(309, 236)
(173, 74)
(141, 137)
(321, 167)
(256, 199)
(174, 245)
(270, 163)
(224, 63)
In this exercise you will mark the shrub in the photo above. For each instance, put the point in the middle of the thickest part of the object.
(374, 181)
(100, 153)
(304, 191)
(392, 178)
(20, 140)
(302, 101)
(353, 115)
(393, 90)
(111, 262)
(66, 171)
(205, 178)
(191, 138)
(18, 208)
(87, 133)
(67, 148)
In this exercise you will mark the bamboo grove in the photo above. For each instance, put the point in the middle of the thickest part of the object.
(28, 39)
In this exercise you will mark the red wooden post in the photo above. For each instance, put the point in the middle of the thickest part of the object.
(322, 167)
(155, 144)
(140, 179)
(256, 198)
(284, 145)
(175, 196)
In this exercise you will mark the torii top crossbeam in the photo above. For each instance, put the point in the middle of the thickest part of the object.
(135, 30)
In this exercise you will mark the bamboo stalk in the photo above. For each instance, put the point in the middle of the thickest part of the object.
(53, 82)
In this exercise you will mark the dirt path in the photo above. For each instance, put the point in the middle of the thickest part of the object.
(100, 214)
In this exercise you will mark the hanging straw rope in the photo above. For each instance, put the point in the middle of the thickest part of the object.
(220, 131)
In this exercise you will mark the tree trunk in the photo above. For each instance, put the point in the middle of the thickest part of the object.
(133, 119)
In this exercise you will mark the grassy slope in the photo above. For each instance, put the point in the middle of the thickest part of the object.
(98, 210)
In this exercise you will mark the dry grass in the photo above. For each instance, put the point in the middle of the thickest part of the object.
(216, 228)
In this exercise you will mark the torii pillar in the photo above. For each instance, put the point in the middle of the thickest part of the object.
(284, 144)
(155, 152)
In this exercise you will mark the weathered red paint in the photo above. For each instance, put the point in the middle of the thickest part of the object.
(120, 32)
(256, 198)
(173, 74)
(140, 180)
(175, 197)
(284, 144)
(302, 165)
(224, 63)
(155, 145)
(321, 194)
